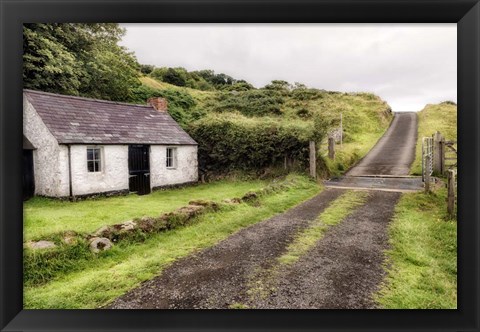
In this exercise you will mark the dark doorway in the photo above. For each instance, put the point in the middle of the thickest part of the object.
(139, 169)
(28, 176)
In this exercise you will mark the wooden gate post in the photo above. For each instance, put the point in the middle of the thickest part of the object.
(313, 160)
(427, 174)
(331, 148)
(438, 153)
(451, 193)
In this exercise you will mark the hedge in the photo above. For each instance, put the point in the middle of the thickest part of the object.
(235, 142)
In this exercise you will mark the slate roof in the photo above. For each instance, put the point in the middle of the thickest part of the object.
(92, 121)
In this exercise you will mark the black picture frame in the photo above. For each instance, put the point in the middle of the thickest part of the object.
(466, 13)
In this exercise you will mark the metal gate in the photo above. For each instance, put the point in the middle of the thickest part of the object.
(139, 169)
(427, 156)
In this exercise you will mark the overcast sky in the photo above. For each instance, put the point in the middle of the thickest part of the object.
(408, 65)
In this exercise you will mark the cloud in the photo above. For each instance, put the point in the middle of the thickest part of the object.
(408, 65)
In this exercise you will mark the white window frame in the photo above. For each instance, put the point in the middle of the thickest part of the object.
(99, 159)
(172, 158)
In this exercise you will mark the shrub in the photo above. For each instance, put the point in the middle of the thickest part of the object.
(250, 102)
(307, 94)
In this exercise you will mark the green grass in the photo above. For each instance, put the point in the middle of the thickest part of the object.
(44, 217)
(422, 261)
(114, 272)
(439, 117)
(338, 210)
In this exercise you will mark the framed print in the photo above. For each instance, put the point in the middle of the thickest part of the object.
(304, 161)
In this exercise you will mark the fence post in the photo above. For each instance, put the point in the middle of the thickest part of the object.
(451, 193)
(438, 153)
(331, 148)
(427, 175)
(313, 160)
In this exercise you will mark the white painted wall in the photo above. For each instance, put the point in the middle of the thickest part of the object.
(186, 170)
(51, 174)
(114, 170)
(114, 173)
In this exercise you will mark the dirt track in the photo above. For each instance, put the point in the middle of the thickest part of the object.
(341, 271)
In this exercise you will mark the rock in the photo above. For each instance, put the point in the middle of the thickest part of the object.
(69, 237)
(101, 231)
(98, 244)
(190, 210)
(200, 202)
(40, 244)
(128, 225)
(249, 196)
(232, 201)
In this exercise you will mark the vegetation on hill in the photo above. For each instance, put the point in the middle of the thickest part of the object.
(432, 118)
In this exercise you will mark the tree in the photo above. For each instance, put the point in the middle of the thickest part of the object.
(78, 59)
(279, 85)
(47, 63)
(146, 69)
(175, 76)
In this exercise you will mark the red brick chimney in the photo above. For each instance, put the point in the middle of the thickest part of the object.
(158, 103)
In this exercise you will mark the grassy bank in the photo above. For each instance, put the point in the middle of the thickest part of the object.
(422, 261)
(114, 272)
(439, 117)
(44, 217)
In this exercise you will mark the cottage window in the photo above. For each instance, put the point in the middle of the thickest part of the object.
(171, 157)
(94, 163)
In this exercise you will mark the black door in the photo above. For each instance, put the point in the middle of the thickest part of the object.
(139, 169)
(28, 177)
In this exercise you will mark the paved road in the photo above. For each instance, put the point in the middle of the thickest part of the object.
(394, 152)
(343, 269)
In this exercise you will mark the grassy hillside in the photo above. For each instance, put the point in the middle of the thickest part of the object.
(434, 117)
(293, 108)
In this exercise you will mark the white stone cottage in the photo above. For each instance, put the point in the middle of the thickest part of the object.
(76, 146)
